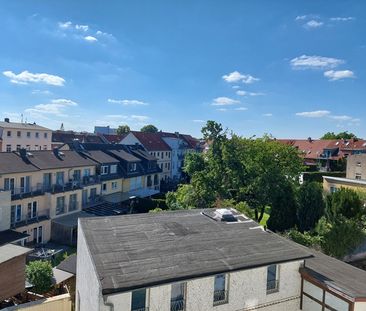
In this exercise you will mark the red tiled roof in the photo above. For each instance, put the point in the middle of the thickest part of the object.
(113, 138)
(151, 141)
(191, 141)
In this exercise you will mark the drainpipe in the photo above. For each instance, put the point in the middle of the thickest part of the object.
(109, 304)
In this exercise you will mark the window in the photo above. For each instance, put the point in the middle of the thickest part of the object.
(358, 164)
(86, 172)
(272, 281)
(32, 210)
(162, 155)
(73, 203)
(27, 147)
(77, 175)
(220, 292)
(114, 169)
(138, 300)
(114, 185)
(158, 153)
(60, 178)
(28, 134)
(132, 167)
(19, 134)
(168, 166)
(8, 148)
(35, 147)
(104, 169)
(177, 297)
(18, 147)
(44, 147)
(358, 176)
(16, 213)
(37, 135)
(40, 147)
(104, 187)
(149, 181)
(156, 180)
(60, 205)
(9, 184)
(45, 135)
(8, 133)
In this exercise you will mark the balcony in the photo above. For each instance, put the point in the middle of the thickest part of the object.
(90, 180)
(220, 297)
(177, 305)
(272, 286)
(26, 192)
(28, 219)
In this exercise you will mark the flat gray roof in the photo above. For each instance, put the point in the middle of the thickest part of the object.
(143, 250)
(10, 251)
(346, 180)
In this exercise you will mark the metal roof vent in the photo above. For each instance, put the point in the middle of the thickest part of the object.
(225, 215)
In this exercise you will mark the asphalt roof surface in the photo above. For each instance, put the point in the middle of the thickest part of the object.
(10, 162)
(135, 251)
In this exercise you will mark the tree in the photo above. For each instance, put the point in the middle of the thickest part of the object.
(311, 205)
(123, 129)
(39, 273)
(283, 208)
(341, 135)
(344, 202)
(149, 129)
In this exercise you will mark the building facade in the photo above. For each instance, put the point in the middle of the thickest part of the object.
(30, 136)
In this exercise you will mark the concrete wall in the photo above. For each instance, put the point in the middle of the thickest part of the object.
(328, 184)
(247, 291)
(56, 303)
(359, 306)
(5, 198)
(356, 164)
(88, 290)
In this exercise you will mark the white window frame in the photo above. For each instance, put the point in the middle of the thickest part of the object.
(104, 170)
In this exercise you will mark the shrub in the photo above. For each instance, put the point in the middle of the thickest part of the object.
(39, 273)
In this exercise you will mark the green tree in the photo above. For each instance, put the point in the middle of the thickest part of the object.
(149, 129)
(193, 163)
(123, 129)
(283, 208)
(39, 273)
(341, 135)
(183, 198)
(345, 202)
(311, 205)
(342, 238)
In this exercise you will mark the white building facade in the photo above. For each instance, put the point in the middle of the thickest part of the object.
(15, 136)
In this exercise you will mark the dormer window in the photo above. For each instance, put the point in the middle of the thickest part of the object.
(104, 170)
(132, 167)
(114, 169)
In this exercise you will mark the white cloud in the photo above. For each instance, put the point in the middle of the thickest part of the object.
(82, 27)
(241, 108)
(65, 25)
(342, 19)
(256, 94)
(315, 62)
(221, 109)
(198, 121)
(55, 107)
(314, 114)
(140, 118)
(236, 76)
(128, 102)
(236, 86)
(224, 101)
(301, 17)
(90, 39)
(334, 75)
(341, 118)
(41, 92)
(313, 24)
(267, 115)
(241, 93)
(26, 77)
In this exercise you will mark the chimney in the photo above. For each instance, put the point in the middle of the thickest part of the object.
(23, 153)
(56, 152)
(7, 120)
(309, 139)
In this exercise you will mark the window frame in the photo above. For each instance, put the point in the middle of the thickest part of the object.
(221, 296)
(270, 289)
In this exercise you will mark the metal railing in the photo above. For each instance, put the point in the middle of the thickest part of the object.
(177, 305)
(272, 286)
(29, 219)
(220, 297)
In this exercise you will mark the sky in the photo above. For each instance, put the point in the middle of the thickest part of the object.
(293, 69)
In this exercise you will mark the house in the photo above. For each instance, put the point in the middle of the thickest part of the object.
(59, 138)
(105, 130)
(205, 260)
(156, 146)
(326, 155)
(14, 136)
(355, 175)
(113, 138)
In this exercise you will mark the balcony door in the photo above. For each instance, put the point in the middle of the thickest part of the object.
(177, 298)
(25, 183)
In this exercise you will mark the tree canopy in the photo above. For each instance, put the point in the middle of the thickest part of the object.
(341, 135)
(149, 128)
(123, 129)
(39, 273)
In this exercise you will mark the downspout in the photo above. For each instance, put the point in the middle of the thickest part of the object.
(109, 304)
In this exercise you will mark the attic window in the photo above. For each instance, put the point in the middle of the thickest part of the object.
(61, 154)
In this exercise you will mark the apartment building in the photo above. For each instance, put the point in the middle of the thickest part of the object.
(355, 175)
(60, 138)
(156, 146)
(14, 136)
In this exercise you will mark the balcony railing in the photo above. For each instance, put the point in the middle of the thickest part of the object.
(220, 297)
(30, 219)
(177, 305)
(272, 286)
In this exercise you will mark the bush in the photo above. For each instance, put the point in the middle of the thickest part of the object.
(39, 273)
(306, 238)
(156, 210)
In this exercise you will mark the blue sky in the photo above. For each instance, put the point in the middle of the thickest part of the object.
(290, 68)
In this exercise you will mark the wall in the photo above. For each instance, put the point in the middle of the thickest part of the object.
(56, 303)
(353, 168)
(46, 230)
(359, 306)
(328, 184)
(247, 291)
(24, 141)
(88, 291)
(5, 198)
(12, 274)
